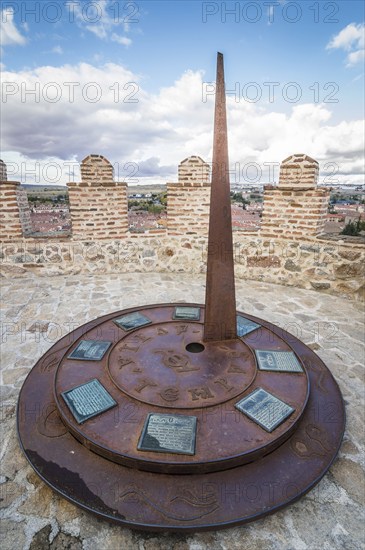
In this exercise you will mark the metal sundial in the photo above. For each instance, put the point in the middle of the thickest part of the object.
(183, 417)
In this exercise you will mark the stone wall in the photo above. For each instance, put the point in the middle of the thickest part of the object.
(321, 265)
(291, 253)
(3, 171)
(24, 211)
(296, 207)
(194, 171)
(98, 204)
(188, 209)
(188, 200)
(10, 224)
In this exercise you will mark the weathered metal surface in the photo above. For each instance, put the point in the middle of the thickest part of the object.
(165, 501)
(151, 370)
(220, 300)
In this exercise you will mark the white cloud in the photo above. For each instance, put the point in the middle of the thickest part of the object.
(154, 132)
(355, 57)
(57, 49)
(9, 34)
(350, 39)
(121, 39)
(100, 17)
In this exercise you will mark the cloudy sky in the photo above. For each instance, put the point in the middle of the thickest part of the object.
(134, 81)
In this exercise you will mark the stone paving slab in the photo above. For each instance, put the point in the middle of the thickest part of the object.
(37, 311)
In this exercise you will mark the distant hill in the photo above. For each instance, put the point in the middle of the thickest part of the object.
(44, 191)
(50, 191)
(143, 189)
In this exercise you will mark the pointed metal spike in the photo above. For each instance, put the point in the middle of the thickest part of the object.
(220, 300)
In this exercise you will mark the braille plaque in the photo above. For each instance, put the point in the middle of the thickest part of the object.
(184, 312)
(283, 361)
(132, 320)
(90, 350)
(169, 433)
(265, 409)
(88, 400)
(244, 326)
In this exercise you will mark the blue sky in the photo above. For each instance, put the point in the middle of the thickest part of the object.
(294, 70)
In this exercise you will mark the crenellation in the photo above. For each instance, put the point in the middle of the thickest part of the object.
(296, 198)
(188, 200)
(293, 219)
(101, 198)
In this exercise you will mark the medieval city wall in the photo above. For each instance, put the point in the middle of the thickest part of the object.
(289, 249)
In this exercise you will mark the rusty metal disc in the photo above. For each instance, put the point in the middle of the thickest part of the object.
(150, 365)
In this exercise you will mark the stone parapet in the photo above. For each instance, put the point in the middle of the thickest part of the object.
(188, 209)
(3, 171)
(295, 208)
(193, 171)
(316, 264)
(10, 224)
(98, 204)
(24, 211)
(298, 170)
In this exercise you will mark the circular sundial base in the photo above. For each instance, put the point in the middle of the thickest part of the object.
(116, 411)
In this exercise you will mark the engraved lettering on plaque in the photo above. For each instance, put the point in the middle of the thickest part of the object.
(224, 383)
(128, 346)
(124, 361)
(184, 312)
(132, 320)
(245, 326)
(201, 393)
(144, 384)
(177, 361)
(90, 350)
(282, 361)
(180, 329)
(88, 400)
(236, 369)
(162, 331)
(168, 433)
(265, 409)
(140, 338)
(170, 394)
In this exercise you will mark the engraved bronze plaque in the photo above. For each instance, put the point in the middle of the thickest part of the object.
(90, 350)
(245, 326)
(132, 320)
(190, 313)
(282, 361)
(88, 400)
(265, 409)
(169, 433)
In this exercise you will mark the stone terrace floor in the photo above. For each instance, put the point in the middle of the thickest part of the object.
(329, 517)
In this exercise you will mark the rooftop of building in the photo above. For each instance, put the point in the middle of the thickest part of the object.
(37, 311)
